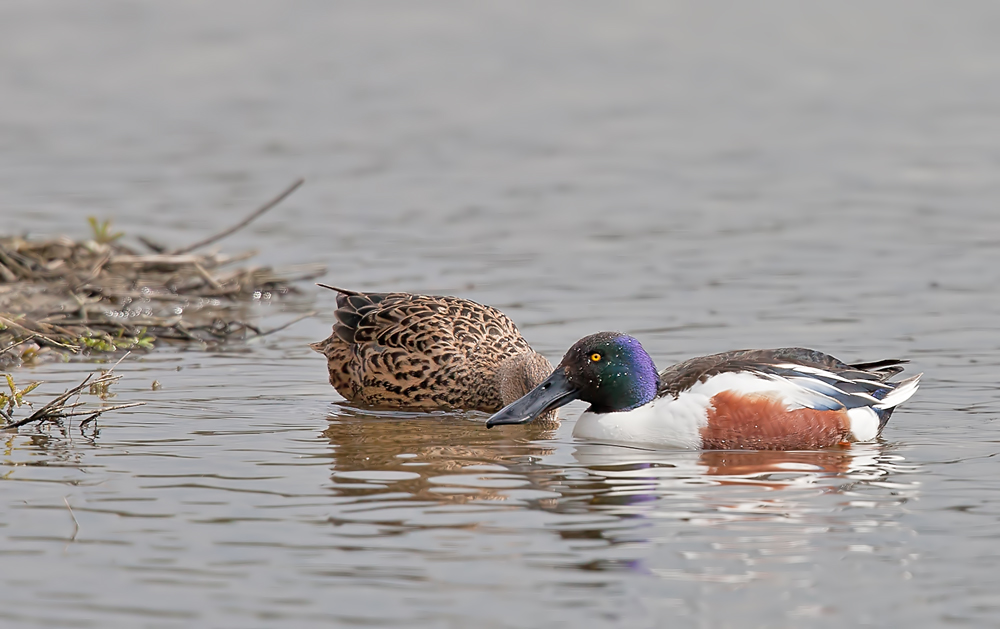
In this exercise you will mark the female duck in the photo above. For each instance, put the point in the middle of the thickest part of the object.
(400, 350)
(776, 399)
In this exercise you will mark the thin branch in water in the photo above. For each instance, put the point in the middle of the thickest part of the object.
(267, 206)
(95, 414)
(115, 366)
(290, 323)
(76, 525)
(92, 417)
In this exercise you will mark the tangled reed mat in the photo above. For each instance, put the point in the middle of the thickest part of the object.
(62, 299)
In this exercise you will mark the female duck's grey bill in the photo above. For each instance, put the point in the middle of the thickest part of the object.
(556, 391)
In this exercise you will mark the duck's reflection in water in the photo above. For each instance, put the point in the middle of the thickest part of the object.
(738, 516)
(631, 478)
(447, 457)
(443, 457)
(774, 469)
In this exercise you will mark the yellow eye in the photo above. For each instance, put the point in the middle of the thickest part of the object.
(595, 357)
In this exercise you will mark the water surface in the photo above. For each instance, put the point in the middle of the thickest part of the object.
(703, 177)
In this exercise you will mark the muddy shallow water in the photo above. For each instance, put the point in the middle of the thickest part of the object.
(705, 179)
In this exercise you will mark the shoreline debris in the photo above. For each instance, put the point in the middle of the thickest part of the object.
(65, 297)
(60, 407)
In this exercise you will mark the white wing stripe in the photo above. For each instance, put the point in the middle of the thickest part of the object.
(813, 371)
(830, 390)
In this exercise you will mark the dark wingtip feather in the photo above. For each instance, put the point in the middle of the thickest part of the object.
(885, 369)
(359, 301)
(344, 333)
(348, 318)
(877, 365)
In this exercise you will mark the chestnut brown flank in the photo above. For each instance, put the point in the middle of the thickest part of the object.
(757, 422)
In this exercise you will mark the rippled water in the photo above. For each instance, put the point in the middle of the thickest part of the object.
(705, 177)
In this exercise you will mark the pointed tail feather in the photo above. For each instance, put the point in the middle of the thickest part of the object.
(875, 365)
(342, 291)
(883, 369)
(903, 391)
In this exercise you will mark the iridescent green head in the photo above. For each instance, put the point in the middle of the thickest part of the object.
(609, 369)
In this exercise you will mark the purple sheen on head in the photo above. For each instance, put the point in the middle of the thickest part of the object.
(612, 371)
(642, 377)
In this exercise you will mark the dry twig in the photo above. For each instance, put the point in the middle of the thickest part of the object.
(76, 525)
(60, 407)
(267, 206)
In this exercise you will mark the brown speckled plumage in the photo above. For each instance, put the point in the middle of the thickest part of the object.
(400, 350)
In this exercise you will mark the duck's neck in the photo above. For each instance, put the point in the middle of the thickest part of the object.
(519, 374)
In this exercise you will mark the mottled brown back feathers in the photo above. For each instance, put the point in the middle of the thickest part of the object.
(400, 350)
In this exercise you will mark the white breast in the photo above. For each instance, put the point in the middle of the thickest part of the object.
(664, 422)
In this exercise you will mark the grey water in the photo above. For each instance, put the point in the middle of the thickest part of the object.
(704, 176)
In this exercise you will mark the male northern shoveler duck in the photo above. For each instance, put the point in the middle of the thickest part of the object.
(770, 399)
(406, 351)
